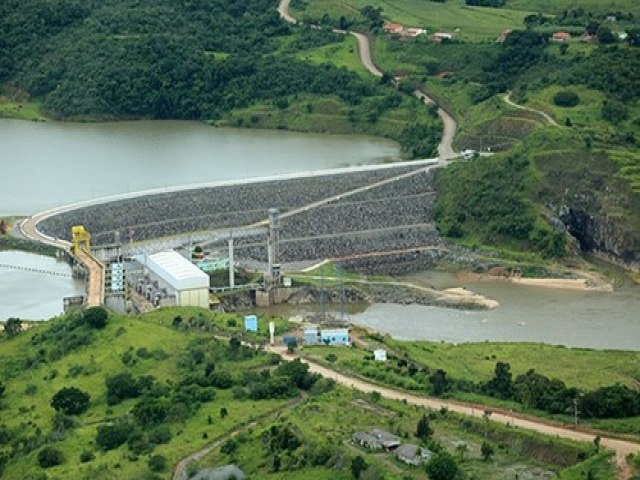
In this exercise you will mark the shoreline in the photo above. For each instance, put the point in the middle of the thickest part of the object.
(593, 283)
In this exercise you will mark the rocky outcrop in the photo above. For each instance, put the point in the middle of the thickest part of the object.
(599, 232)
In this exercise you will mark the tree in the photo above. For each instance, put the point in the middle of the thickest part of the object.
(423, 429)
(486, 450)
(3, 227)
(606, 35)
(71, 401)
(96, 317)
(157, 463)
(442, 466)
(614, 111)
(564, 47)
(3, 389)
(13, 326)
(566, 98)
(50, 457)
(358, 465)
(501, 384)
(223, 412)
(439, 382)
(596, 443)
(177, 320)
(112, 436)
(120, 387)
(461, 450)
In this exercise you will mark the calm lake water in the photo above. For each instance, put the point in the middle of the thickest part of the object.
(30, 295)
(44, 165)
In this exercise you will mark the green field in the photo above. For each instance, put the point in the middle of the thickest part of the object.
(343, 54)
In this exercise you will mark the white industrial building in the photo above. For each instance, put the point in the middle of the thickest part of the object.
(181, 282)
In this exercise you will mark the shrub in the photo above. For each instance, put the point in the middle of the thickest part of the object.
(71, 401)
(157, 463)
(50, 457)
(96, 317)
(160, 435)
(331, 358)
(112, 436)
(87, 456)
(566, 98)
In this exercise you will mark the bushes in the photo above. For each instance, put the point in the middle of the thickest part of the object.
(157, 463)
(50, 457)
(566, 98)
(95, 317)
(71, 401)
(112, 436)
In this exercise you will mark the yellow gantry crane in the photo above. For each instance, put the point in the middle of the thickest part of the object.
(80, 236)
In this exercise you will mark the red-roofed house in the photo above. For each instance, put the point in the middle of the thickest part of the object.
(561, 36)
(394, 28)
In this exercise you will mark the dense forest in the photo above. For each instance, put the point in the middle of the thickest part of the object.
(178, 60)
(189, 60)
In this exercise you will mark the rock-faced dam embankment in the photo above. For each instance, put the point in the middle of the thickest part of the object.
(349, 214)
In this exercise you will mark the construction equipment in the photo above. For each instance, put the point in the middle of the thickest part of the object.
(79, 236)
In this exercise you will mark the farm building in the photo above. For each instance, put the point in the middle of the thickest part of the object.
(561, 36)
(176, 280)
(412, 454)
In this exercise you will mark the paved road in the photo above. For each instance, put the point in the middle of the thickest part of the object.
(445, 148)
(622, 448)
(95, 270)
(547, 117)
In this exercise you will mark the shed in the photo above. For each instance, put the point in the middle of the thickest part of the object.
(380, 355)
(251, 323)
(412, 454)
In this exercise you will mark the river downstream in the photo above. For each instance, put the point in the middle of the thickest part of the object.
(526, 314)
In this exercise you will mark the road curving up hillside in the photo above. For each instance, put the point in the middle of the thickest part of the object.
(445, 148)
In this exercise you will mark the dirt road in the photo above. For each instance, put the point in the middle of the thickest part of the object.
(547, 117)
(445, 148)
(621, 447)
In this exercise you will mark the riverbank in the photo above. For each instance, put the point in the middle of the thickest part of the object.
(592, 282)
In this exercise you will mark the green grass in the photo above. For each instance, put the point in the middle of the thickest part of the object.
(20, 110)
(474, 23)
(586, 113)
(557, 6)
(343, 54)
(30, 413)
(311, 113)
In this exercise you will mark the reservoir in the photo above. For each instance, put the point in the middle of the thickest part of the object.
(45, 165)
(30, 295)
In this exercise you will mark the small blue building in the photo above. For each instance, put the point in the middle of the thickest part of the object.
(316, 336)
(251, 323)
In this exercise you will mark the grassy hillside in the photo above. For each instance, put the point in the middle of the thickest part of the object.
(39, 362)
(470, 76)
(161, 386)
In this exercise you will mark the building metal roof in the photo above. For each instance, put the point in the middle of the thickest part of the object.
(176, 270)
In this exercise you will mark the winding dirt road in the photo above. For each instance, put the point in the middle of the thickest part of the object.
(622, 448)
(546, 116)
(445, 148)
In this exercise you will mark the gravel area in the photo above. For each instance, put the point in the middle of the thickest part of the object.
(390, 217)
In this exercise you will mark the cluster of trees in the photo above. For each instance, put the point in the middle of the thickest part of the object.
(534, 390)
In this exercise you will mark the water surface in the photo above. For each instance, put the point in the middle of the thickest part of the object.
(44, 165)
